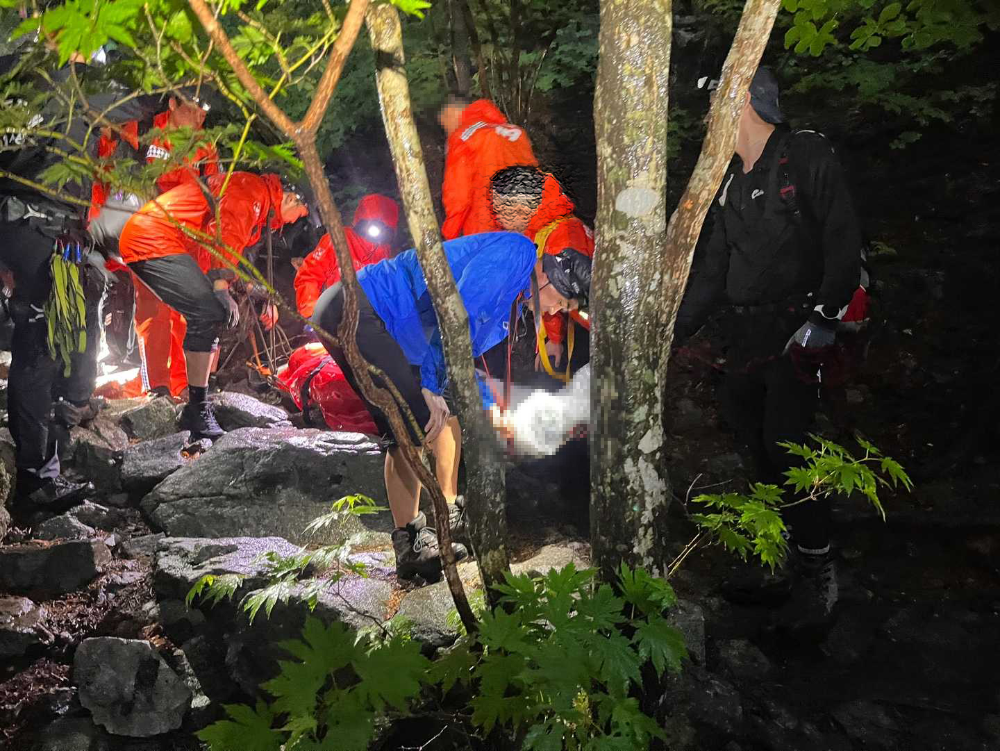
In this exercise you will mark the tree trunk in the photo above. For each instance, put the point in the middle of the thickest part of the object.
(460, 62)
(630, 490)
(483, 460)
(640, 271)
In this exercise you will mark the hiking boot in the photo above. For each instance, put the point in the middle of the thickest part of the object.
(54, 495)
(72, 414)
(418, 552)
(457, 521)
(814, 594)
(200, 420)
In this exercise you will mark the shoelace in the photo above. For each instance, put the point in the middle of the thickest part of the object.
(426, 537)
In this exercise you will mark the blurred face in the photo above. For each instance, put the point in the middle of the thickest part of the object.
(292, 208)
(514, 213)
(450, 118)
(185, 114)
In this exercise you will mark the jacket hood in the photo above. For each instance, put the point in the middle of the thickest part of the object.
(380, 208)
(555, 205)
(482, 110)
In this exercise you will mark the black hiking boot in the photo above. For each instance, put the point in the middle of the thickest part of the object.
(200, 420)
(457, 520)
(53, 496)
(418, 552)
(814, 595)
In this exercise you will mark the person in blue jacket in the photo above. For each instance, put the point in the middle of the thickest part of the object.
(398, 333)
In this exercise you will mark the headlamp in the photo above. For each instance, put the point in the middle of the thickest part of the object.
(374, 231)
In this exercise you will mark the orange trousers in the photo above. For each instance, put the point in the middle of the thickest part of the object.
(160, 332)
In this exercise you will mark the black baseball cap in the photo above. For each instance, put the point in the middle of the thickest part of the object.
(569, 272)
(764, 96)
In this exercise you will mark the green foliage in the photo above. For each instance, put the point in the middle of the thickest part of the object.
(751, 524)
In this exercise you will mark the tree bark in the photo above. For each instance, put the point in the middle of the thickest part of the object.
(483, 460)
(630, 489)
(640, 271)
(460, 62)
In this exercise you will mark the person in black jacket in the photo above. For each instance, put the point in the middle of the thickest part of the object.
(784, 252)
(32, 221)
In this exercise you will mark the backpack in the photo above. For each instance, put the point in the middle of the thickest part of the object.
(858, 312)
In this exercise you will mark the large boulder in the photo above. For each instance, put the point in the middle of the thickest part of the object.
(21, 626)
(154, 419)
(234, 411)
(64, 527)
(51, 569)
(128, 687)
(259, 482)
(181, 562)
(96, 452)
(147, 463)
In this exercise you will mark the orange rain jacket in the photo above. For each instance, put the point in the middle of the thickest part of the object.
(483, 144)
(203, 163)
(568, 232)
(243, 213)
(319, 270)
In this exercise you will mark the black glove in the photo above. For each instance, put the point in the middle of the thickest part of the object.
(229, 304)
(73, 244)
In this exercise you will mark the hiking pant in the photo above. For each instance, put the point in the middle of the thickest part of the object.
(769, 400)
(160, 332)
(179, 282)
(377, 346)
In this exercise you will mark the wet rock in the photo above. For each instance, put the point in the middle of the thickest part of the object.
(124, 579)
(147, 463)
(8, 451)
(427, 609)
(5, 522)
(128, 687)
(263, 482)
(689, 618)
(205, 656)
(743, 660)
(715, 703)
(155, 419)
(53, 569)
(21, 626)
(850, 638)
(554, 557)
(234, 411)
(64, 527)
(118, 500)
(142, 547)
(868, 723)
(71, 734)
(726, 466)
(180, 621)
(181, 562)
(202, 712)
(97, 453)
(254, 649)
(97, 516)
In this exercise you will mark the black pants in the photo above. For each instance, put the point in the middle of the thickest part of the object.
(378, 347)
(180, 283)
(770, 400)
(34, 375)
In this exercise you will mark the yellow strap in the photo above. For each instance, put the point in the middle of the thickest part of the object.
(541, 238)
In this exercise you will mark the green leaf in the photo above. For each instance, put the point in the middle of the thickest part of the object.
(215, 588)
(648, 593)
(500, 630)
(546, 736)
(603, 609)
(661, 643)
(619, 663)
(350, 723)
(889, 12)
(247, 729)
(412, 7)
(392, 673)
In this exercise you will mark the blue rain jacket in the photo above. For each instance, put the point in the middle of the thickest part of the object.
(491, 270)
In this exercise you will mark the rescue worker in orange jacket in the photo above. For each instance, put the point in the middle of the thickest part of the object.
(480, 143)
(159, 329)
(157, 250)
(525, 199)
(369, 240)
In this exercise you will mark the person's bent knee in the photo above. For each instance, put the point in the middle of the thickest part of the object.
(201, 338)
(329, 308)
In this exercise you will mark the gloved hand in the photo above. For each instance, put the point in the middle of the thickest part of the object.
(73, 243)
(813, 335)
(227, 302)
